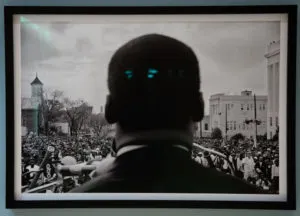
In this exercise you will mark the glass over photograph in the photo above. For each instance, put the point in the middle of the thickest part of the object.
(164, 107)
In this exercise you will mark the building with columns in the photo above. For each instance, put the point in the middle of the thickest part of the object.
(236, 110)
(273, 58)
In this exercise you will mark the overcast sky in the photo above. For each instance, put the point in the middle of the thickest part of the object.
(74, 57)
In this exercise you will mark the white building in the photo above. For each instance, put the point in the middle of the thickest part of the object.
(237, 109)
(273, 58)
(203, 128)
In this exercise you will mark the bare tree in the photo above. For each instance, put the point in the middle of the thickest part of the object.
(216, 133)
(78, 113)
(99, 125)
(51, 108)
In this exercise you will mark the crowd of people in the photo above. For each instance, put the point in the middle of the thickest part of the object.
(258, 165)
(67, 150)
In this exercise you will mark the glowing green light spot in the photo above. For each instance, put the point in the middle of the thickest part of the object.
(36, 27)
(44, 33)
(129, 74)
(152, 71)
(23, 19)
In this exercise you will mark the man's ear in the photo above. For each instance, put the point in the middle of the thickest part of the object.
(110, 110)
(198, 108)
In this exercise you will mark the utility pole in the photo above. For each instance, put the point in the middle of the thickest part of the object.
(38, 121)
(255, 123)
(201, 129)
(226, 122)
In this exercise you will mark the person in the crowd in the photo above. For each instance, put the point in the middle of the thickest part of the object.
(49, 171)
(269, 164)
(275, 176)
(38, 146)
(225, 167)
(154, 100)
(263, 182)
(248, 166)
(260, 167)
(25, 175)
(233, 160)
(198, 158)
(209, 160)
(239, 166)
(32, 169)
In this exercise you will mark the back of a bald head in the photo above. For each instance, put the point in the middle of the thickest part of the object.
(153, 82)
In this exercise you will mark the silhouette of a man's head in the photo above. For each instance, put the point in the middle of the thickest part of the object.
(154, 83)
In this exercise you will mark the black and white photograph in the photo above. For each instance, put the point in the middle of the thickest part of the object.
(184, 107)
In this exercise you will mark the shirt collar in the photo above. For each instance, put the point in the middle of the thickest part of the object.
(130, 148)
(126, 142)
(153, 135)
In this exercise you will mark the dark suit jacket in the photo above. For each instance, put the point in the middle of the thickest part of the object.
(262, 166)
(163, 170)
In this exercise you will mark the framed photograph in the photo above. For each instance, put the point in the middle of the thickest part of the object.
(169, 107)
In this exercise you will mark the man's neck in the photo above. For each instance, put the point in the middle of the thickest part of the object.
(178, 136)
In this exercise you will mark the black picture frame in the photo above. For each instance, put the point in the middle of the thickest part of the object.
(291, 10)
